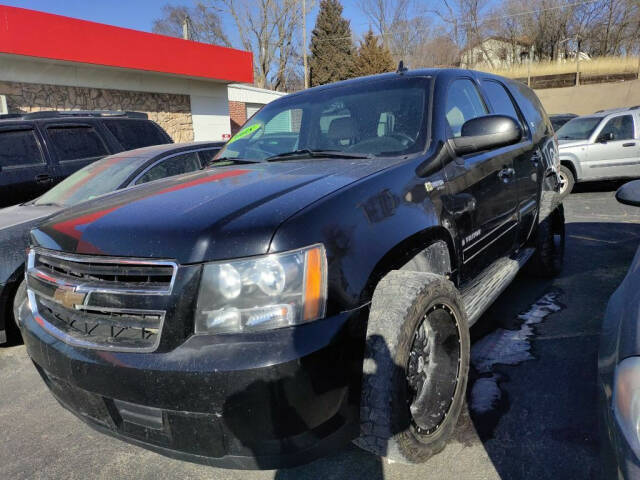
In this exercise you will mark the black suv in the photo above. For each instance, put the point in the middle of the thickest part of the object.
(38, 150)
(316, 290)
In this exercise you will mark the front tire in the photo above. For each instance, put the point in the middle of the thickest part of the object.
(567, 180)
(416, 367)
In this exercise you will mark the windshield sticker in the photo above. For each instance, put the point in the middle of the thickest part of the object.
(245, 131)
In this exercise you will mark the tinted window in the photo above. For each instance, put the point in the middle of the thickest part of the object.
(186, 162)
(136, 133)
(532, 109)
(463, 103)
(73, 142)
(345, 118)
(620, 127)
(95, 179)
(19, 147)
(499, 99)
(207, 155)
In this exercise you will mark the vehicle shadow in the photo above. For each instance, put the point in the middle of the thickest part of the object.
(599, 186)
(546, 423)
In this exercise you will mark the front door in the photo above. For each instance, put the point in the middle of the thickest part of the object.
(617, 157)
(482, 190)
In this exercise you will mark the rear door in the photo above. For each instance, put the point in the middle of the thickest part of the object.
(484, 182)
(25, 173)
(73, 145)
(615, 158)
(177, 164)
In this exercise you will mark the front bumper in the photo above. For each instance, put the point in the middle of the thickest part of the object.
(268, 400)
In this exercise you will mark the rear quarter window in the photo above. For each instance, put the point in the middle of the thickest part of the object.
(537, 120)
(136, 133)
(19, 148)
(76, 142)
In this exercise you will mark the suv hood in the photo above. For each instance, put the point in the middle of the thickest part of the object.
(214, 214)
(571, 143)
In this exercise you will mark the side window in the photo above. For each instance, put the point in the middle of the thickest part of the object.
(499, 99)
(76, 142)
(135, 133)
(463, 103)
(19, 148)
(183, 163)
(207, 155)
(620, 127)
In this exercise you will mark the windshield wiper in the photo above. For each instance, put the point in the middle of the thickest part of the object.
(308, 153)
(223, 161)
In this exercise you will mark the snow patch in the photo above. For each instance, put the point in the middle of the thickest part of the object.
(506, 347)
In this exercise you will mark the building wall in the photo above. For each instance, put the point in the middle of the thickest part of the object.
(494, 52)
(590, 98)
(171, 111)
(237, 114)
(210, 116)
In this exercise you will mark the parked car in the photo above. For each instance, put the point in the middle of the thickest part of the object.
(38, 150)
(602, 146)
(619, 367)
(319, 289)
(559, 119)
(111, 173)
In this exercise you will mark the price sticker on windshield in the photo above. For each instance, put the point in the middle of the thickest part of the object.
(245, 132)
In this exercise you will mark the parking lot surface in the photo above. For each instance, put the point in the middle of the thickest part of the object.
(532, 392)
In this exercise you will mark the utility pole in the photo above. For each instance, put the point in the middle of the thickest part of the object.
(578, 61)
(186, 28)
(304, 43)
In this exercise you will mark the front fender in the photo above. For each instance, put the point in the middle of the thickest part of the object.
(573, 161)
(369, 228)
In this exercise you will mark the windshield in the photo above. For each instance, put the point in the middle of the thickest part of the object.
(381, 118)
(578, 128)
(100, 177)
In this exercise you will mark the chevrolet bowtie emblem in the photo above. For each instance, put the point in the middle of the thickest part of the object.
(68, 298)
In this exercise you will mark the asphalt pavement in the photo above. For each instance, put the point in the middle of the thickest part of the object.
(532, 388)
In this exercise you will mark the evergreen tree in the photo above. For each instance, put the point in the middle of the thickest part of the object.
(372, 57)
(331, 46)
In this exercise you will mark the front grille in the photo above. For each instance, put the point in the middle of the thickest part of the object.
(100, 302)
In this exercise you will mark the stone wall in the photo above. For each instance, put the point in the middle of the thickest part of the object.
(171, 111)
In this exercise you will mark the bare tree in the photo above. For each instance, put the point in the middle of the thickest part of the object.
(205, 23)
(269, 29)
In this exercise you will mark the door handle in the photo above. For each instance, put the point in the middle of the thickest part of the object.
(629, 144)
(44, 178)
(506, 173)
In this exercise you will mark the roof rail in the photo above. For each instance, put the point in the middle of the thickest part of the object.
(10, 115)
(78, 113)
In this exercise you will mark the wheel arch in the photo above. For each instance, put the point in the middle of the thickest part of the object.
(569, 163)
(408, 249)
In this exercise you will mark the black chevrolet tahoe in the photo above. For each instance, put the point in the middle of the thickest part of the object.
(40, 149)
(315, 289)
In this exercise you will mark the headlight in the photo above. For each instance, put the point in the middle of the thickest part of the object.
(262, 293)
(626, 400)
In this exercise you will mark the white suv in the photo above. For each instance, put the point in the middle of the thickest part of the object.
(601, 146)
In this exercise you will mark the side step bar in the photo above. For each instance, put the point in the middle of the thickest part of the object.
(482, 291)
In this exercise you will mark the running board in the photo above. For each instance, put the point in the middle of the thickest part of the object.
(482, 291)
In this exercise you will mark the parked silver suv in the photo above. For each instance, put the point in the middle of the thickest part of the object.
(601, 146)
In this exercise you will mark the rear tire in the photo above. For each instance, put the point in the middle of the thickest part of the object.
(548, 259)
(416, 367)
(567, 180)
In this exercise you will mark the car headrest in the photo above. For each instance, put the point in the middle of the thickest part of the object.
(341, 128)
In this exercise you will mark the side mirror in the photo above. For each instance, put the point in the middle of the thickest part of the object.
(486, 133)
(629, 193)
(605, 137)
